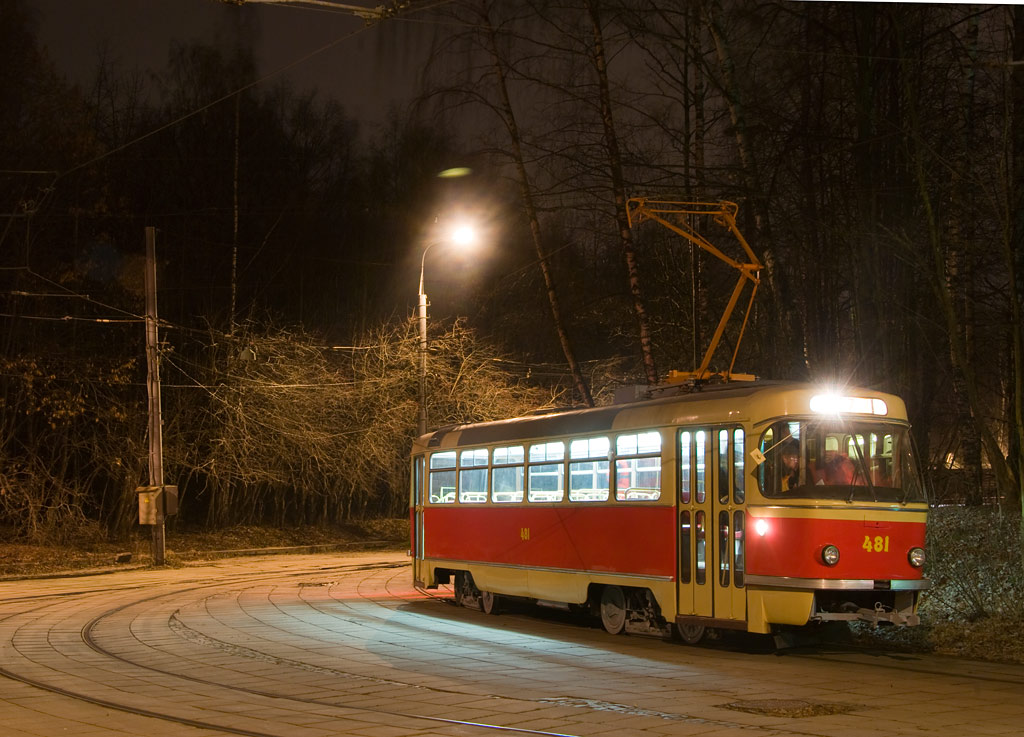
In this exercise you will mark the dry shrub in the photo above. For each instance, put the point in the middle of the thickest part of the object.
(70, 438)
(296, 433)
(975, 565)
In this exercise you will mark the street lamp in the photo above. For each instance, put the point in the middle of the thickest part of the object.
(462, 235)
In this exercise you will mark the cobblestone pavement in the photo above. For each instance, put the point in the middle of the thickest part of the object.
(308, 646)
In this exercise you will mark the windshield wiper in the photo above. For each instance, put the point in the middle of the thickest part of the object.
(862, 468)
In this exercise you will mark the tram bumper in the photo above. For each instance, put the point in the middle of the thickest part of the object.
(776, 600)
(879, 615)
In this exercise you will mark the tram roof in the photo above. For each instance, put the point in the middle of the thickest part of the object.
(710, 404)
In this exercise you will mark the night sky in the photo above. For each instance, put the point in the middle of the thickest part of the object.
(373, 68)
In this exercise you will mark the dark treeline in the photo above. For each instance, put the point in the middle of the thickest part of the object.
(877, 156)
(876, 153)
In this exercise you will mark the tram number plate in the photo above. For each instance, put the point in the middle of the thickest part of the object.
(876, 544)
(524, 533)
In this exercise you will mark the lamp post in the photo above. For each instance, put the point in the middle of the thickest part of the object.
(464, 235)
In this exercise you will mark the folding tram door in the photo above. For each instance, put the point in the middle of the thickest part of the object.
(418, 481)
(711, 501)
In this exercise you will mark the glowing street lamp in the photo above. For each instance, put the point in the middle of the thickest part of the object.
(463, 236)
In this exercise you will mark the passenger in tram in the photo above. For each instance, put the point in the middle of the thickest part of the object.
(789, 459)
(835, 469)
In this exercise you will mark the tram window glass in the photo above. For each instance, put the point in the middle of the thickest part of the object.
(723, 466)
(507, 474)
(700, 440)
(684, 467)
(546, 479)
(588, 470)
(638, 478)
(855, 460)
(442, 477)
(739, 546)
(684, 546)
(701, 546)
(738, 478)
(473, 476)
(723, 548)
(417, 480)
(509, 455)
(780, 444)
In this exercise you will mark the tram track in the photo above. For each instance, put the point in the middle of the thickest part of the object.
(90, 641)
(359, 595)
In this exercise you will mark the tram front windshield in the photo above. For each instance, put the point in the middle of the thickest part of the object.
(850, 460)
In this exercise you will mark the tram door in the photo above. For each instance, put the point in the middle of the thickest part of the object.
(417, 506)
(711, 522)
(694, 588)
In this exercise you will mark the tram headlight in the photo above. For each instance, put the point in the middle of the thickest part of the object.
(761, 527)
(830, 555)
(916, 557)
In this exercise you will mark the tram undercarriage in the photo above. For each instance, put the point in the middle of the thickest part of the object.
(874, 607)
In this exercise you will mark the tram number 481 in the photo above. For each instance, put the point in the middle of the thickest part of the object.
(524, 533)
(877, 544)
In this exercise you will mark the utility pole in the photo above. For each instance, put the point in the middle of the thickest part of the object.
(156, 446)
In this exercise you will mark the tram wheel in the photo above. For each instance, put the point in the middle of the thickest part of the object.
(464, 589)
(613, 610)
(489, 603)
(691, 634)
(457, 589)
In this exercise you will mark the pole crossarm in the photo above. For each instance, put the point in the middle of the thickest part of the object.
(370, 15)
(678, 216)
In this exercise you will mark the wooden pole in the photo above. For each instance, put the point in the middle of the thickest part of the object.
(156, 449)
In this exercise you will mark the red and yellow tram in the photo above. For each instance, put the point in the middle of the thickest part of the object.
(743, 506)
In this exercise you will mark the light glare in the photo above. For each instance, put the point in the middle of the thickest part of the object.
(831, 404)
(761, 527)
(464, 235)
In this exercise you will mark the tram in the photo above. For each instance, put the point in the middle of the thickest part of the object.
(748, 505)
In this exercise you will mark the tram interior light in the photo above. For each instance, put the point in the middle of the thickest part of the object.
(761, 527)
(833, 404)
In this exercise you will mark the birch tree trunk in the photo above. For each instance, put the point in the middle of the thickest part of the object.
(619, 193)
(508, 116)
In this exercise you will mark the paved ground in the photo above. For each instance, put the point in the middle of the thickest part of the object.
(308, 646)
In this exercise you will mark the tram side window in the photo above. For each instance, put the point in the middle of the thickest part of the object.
(588, 470)
(738, 478)
(638, 467)
(546, 475)
(473, 476)
(442, 477)
(507, 474)
(739, 546)
(684, 467)
(723, 548)
(684, 546)
(723, 466)
(700, 440)
(700, 532)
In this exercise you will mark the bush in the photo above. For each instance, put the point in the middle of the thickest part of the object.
(975, 564)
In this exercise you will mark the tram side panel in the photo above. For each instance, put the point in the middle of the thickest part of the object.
(552, 552)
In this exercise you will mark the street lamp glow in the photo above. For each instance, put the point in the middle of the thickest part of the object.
(464, 235)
